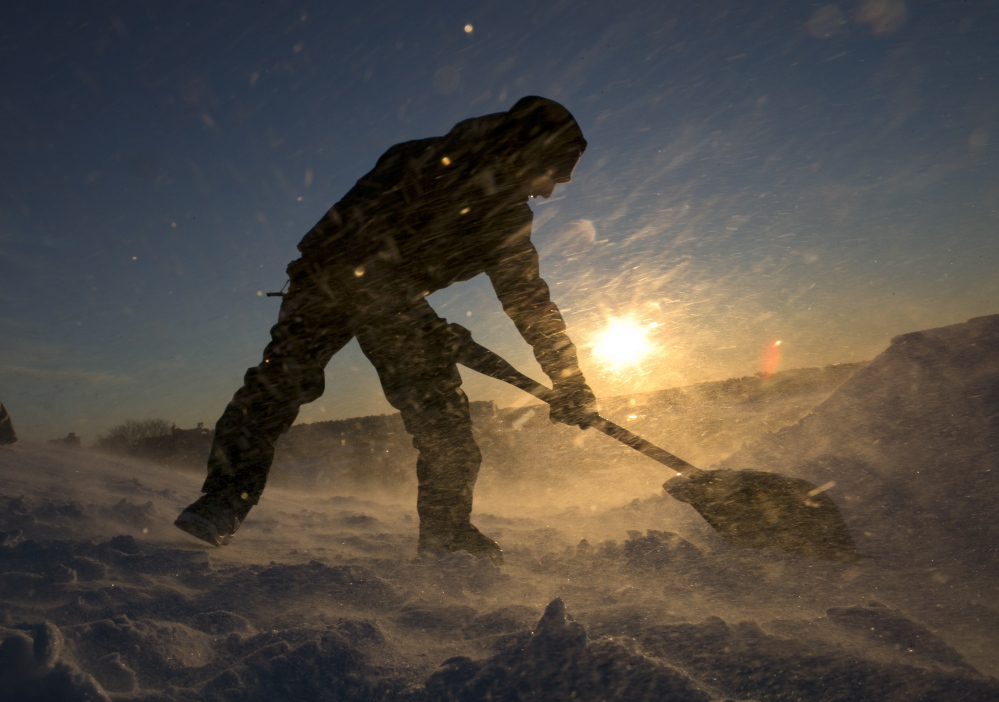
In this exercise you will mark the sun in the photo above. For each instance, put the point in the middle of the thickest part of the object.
(622, 343)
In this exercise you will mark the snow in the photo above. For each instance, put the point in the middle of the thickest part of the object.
(321, 596)
(910, 442)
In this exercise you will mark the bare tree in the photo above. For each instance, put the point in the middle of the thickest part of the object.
(124, 437)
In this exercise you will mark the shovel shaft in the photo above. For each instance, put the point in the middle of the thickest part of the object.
(482, 360)
(616, 431)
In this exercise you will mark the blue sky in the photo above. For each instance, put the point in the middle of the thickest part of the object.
(821, 174)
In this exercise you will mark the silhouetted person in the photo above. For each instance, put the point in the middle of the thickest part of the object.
(432, 212)
(7, 434)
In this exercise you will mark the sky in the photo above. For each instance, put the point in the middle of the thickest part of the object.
(824, 176)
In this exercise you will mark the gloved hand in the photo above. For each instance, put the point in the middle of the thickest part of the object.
(572, 402)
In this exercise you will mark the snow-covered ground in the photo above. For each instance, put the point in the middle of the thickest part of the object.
(321, 596)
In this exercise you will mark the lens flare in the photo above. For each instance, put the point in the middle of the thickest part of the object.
(623, 343)
(770, 358)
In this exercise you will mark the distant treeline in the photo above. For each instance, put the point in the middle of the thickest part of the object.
(376, 450)
(757, 386)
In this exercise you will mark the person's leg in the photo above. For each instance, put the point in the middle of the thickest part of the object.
(412, 350)
(312, 326)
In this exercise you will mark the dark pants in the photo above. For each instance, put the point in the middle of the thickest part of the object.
(411, 348)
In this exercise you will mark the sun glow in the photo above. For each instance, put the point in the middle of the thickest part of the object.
(622, 343)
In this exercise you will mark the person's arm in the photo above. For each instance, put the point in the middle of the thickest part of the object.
(526, 299)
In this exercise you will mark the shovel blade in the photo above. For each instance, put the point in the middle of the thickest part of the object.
(753, 509)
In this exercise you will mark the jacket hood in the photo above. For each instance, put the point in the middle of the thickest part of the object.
(547, 134)
(536, 133)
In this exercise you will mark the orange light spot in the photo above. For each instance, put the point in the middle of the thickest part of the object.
(770, 358)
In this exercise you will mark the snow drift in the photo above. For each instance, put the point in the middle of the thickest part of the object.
(911, 443)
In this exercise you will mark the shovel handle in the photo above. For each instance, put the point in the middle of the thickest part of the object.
(480, 359)
(616, 431)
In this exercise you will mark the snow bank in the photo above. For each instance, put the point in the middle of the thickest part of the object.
(910, 443)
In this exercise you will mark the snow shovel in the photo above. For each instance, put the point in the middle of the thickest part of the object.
(750, 509)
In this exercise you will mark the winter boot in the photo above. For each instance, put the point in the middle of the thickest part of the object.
(436, 539)
(214, 517)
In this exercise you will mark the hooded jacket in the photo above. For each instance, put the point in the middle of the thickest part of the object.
(433, 212)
